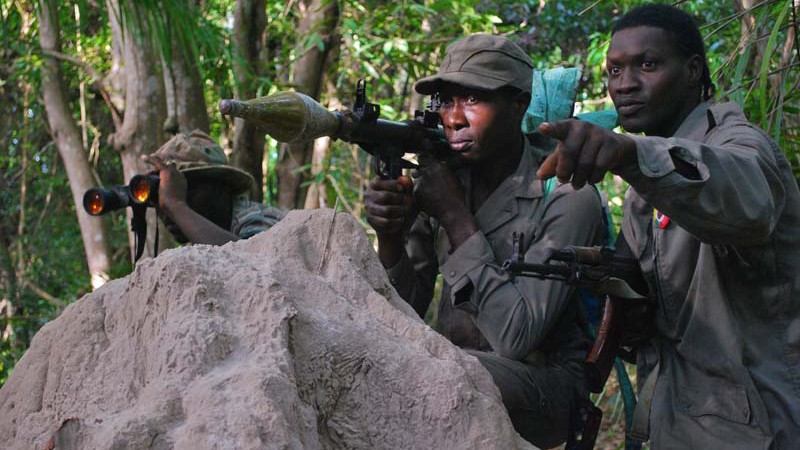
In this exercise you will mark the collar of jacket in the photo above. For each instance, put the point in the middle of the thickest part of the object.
(501, 206)
(523, 183)
(706, 117)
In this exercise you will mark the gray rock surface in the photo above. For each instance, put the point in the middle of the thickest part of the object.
(252, 345)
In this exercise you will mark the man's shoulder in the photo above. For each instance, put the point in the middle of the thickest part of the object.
(587, 193)
(726, 112)
(250, 217)
(584, 204)
(728, 119)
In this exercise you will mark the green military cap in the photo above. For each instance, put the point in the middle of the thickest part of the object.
(481, 61)
(198, 156)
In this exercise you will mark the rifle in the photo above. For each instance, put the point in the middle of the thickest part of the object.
(615, 274)
(601, 270)
(294, 117)
(140, 193)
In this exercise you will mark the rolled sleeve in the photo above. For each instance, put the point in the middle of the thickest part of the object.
(462, 269)
(654, 160)
(737, 196)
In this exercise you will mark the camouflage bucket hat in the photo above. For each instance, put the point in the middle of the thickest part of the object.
(198, 156)
(484, 62)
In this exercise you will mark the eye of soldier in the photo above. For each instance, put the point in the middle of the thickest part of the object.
(648, 64)
(445, 100)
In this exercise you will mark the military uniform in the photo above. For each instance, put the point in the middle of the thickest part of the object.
(525, 331)
(251, 218)
(722, 255)
(200, 158)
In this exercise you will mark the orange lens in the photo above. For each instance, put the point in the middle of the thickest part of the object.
(141, 190)
(95, 203)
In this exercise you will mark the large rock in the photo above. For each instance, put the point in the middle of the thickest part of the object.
(254, 344)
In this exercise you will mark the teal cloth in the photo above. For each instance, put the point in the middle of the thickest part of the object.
(553, 97)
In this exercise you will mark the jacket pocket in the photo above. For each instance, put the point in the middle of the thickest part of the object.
(728, 401)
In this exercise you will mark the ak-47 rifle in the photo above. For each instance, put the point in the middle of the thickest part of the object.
(140, 193)
(294, 117)
(612, 273)
(601, 270)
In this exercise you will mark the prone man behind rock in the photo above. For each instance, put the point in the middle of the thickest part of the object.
(202, 199)
(526, 332)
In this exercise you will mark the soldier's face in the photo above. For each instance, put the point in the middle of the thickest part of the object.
(478, 124)
(653, 87)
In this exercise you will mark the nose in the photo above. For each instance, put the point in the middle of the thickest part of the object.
(627, 81)
(453, 116)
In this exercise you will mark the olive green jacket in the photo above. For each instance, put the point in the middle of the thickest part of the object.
(481, 306)
(725, 268)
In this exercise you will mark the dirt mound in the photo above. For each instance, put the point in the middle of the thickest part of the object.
(254, 344)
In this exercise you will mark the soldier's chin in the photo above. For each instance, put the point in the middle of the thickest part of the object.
(631, 124)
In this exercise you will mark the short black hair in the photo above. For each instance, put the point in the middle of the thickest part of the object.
(680, 25)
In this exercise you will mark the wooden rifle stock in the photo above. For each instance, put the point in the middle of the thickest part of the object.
(600, 359)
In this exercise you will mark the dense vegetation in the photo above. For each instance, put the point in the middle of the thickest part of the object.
(752, 49)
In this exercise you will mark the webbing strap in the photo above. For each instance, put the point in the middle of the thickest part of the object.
(640, 429)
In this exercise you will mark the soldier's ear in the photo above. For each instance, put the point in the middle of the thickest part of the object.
(521, 102)
(694, 70)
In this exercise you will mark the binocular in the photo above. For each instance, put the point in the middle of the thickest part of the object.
(141, 191)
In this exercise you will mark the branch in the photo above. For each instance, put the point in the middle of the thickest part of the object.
(753, 80)
(43, 294)
(96, 83)
(347, 206)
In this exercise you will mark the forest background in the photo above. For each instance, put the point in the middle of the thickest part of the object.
(88, 86)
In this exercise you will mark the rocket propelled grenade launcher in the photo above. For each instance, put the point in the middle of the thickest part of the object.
(294, 117)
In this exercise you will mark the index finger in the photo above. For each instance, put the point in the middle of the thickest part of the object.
(556, 130)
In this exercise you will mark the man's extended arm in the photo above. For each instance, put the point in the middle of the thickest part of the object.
(722, 185)
(736, 197)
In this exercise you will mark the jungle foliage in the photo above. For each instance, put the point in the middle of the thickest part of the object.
(751, 43)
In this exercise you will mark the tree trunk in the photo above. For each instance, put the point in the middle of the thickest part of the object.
(249, 22)
(68, 141)
(142, 131)
(315, 197)
(318, 17)
(9, 292)
(182, 72)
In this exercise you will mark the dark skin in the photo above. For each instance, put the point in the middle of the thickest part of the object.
(653, 87)
(483, 129)
(200, 214)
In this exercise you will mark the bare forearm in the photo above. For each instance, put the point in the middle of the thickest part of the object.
(390, 250)
(459, 225)
(197, 228)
